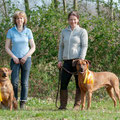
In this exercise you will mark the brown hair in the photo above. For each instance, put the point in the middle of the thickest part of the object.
(20, 13)
(74, 13)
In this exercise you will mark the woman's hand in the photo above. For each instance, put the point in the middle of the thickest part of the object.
(59, 64)
(23, 60)
(16, 60)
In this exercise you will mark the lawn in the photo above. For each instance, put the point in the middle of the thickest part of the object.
(37, 109)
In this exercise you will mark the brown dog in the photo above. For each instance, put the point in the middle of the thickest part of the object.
(90, 81)
(7, 98)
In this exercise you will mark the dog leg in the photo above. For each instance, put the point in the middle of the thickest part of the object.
(111, 94)
(11, 101)
(10, 104)
(15, 104)
(117, 91)
(89, 99)
(83, 99)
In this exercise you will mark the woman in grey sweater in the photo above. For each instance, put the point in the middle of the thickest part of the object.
(73, 45)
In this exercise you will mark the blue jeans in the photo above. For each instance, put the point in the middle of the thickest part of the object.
(25, 71)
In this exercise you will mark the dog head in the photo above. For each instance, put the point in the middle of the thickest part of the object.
(5, 72)
(81, 65)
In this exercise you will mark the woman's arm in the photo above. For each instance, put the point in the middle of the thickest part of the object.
(8, 50)
(60, 52)
(30, 52)
(84, 44)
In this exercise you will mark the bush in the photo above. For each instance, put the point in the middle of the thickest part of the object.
(46, 24)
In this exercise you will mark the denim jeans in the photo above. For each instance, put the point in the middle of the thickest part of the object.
(25, 71)
(65, 76)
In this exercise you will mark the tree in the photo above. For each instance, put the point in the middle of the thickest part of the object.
(56, 4)
(64, 6)
(98, 7)
(27, 9)
(75, 5)
(111, 9)
(5, 9)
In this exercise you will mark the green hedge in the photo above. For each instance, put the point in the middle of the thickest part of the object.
(46, 24)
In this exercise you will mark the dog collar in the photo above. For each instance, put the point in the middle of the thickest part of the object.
(2, 80)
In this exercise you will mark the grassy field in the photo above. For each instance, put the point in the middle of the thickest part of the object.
(37, 109)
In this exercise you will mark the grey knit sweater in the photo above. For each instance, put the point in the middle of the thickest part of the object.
(73, 44)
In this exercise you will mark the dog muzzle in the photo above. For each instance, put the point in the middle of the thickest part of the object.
(4, 75)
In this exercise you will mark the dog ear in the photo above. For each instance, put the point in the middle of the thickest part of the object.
(88, 62)
(74, 62)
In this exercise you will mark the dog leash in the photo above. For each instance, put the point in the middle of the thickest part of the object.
(59, 79)
(73, 73)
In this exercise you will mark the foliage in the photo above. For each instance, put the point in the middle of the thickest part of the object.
(104, 46)
(46, 24)
(46, 32)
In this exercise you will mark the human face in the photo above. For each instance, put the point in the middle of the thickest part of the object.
(73, 21)
(19, 21)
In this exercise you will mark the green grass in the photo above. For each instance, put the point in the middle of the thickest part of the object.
(37, 109)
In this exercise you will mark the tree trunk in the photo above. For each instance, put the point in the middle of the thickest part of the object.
(56, 4)
(5, 9)
(75, 5)
(98, 8)
(64, 6)
(111, 9)
(27, 9)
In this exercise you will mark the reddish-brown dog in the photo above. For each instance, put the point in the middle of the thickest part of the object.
(7, 98)
(90, 81)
